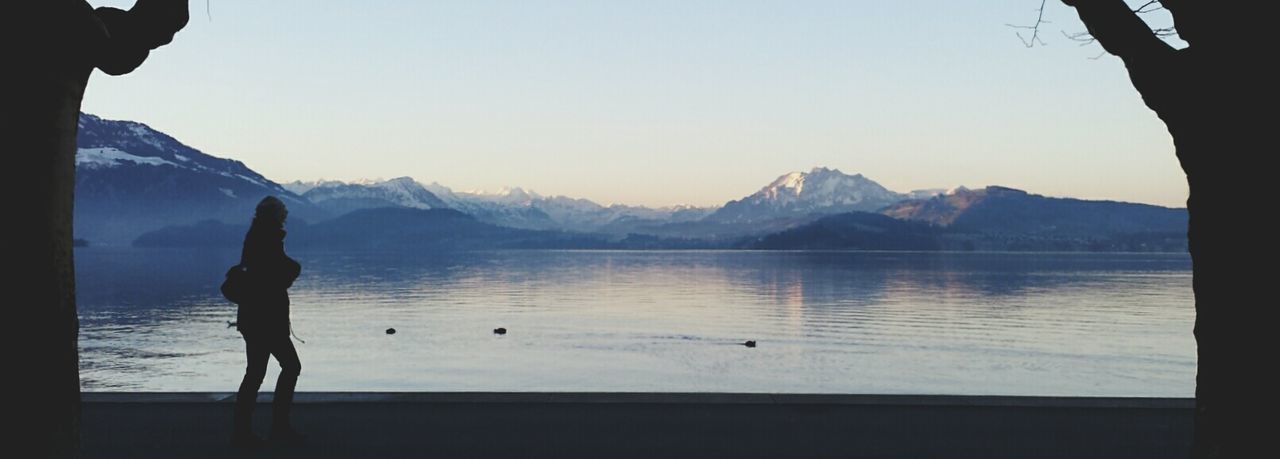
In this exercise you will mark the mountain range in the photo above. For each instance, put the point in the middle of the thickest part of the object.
(512, 207)
(137, 185)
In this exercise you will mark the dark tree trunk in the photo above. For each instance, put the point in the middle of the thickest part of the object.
(44, 283)
(1217, 100)
(51, 285)
(50, 48)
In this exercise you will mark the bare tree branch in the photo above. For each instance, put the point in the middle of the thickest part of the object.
(1034, 28)
(1084, 38)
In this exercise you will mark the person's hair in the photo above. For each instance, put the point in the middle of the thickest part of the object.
(270, 210)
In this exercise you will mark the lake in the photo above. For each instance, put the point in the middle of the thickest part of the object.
(671, 321)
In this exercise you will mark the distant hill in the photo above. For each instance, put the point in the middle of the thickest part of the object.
(131, 179)
(855, 231)
(1000, 210)
(390, 228)
(410, 229)
(994, 218)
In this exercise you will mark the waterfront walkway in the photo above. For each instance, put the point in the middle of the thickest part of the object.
(657, 425)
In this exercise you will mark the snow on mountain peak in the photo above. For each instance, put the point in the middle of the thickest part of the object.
(820, 183)
(363, 181)
(400, 191)
(507, 195)
(104, 157)
(514, 191)
(791, 183)
(145, 134)
(820, 191)
(299, 186)
(112, 143)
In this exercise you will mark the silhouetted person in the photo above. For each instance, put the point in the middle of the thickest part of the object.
(263, 321)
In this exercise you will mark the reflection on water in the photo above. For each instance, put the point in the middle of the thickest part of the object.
(847, 322)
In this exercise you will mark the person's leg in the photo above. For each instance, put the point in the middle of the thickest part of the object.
(282, 406)
(256, 353)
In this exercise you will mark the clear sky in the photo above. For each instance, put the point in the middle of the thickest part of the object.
(651, 102)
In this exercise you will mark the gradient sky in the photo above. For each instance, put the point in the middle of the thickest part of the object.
(651, 102)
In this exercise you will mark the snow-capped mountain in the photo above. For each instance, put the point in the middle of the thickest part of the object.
(339, 197)
(521, 208)
(299, 187)
(803, 194)
(510, 206)
(131, 179)
(579, 213)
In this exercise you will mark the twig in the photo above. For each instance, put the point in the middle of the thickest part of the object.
(1035, 28)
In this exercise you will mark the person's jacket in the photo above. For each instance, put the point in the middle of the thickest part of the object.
(272, 273)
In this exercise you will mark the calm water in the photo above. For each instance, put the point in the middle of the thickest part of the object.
(843, 322)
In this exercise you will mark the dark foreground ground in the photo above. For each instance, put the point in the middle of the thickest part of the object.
(609, 425)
